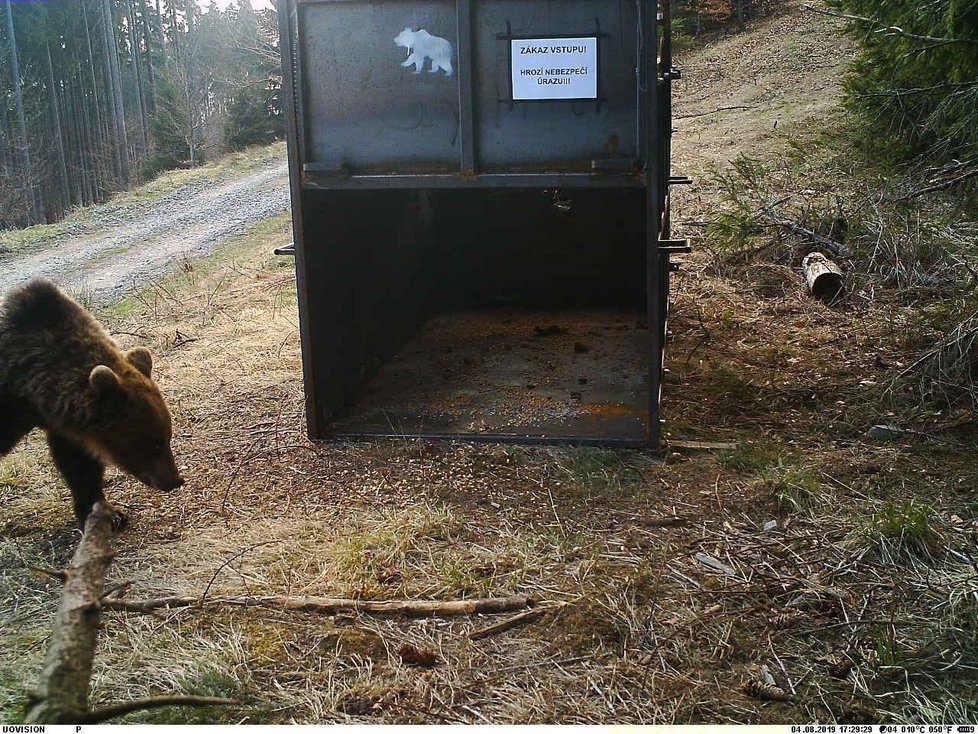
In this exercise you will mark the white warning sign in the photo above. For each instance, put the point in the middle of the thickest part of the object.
(555, 68)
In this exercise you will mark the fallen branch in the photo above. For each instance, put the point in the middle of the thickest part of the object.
(507, 624)
(668, 521)
(836, 247)
(51, 573)
(330, 605)
(713, 112)
(946, 184)
(144, 704)
(702, 445)
(62, 691)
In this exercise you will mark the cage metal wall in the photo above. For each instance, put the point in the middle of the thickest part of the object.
(382, 160)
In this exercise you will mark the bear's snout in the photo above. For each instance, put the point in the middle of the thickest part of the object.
(162, 481)
(175, 483)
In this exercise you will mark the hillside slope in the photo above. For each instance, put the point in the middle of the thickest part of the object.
(748, 93)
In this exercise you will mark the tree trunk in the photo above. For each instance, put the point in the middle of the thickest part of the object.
(174, 28)
(191, 47)
(73, 141)
(151, 73)
(86, 157)
(35, 215)
(112, 59)
(134, 55)
(58, 136)
(101, 139)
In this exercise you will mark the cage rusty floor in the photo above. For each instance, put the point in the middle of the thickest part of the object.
(507, 372)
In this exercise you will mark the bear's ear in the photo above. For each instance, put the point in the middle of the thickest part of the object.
(141, 359)
(104, 380)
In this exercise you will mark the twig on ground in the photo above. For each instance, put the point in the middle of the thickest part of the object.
(507, 624)
(50, 573)
(203, 597)
(329, 605)
(713, 112)
(143, 704)
(941, 185)
(836, 247)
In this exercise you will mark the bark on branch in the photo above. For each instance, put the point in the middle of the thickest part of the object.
(62, 691)
(507, 624)
(836, 247)
(330, 605)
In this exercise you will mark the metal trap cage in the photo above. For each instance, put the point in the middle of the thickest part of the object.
(480, 206)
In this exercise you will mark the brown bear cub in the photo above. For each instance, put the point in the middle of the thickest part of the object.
(62, 372)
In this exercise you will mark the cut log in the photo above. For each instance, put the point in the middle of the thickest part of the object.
(330, 605)
(824, 276)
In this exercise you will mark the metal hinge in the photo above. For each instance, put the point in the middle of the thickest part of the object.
(674, 246)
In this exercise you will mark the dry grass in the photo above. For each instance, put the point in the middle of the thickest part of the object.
(803, 557)
(808, 574)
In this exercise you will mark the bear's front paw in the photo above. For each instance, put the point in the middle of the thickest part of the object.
(120, 520)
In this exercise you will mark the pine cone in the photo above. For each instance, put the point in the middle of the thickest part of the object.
(765, 692)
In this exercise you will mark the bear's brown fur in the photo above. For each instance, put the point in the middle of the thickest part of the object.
(62, 372)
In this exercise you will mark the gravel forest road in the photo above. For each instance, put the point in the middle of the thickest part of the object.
(119, 246)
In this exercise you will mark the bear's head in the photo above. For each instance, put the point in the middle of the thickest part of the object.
(405, 39)
(134, 430)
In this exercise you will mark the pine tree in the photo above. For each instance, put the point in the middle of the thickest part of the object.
(917, 77)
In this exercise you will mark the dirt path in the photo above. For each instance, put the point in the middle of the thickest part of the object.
(124, 246)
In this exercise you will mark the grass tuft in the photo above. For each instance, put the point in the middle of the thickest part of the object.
(905, 531)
